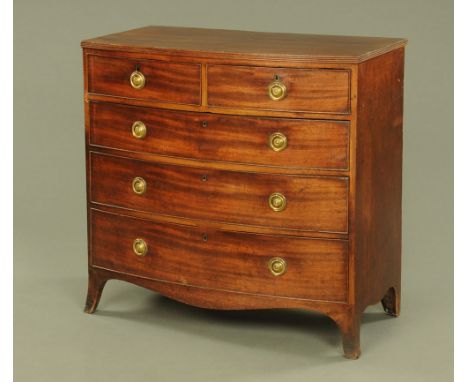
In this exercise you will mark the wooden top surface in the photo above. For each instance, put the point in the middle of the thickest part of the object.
(220, 42)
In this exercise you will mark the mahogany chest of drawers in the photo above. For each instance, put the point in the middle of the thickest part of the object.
(243, 170)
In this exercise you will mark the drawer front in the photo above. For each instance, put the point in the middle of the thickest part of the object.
(163, 81)
(273, 142)
(311, 203)
(304, 90)
(314, 269)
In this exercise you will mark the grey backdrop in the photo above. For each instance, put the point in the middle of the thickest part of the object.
(140, 336)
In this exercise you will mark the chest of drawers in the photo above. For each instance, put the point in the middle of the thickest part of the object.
(242, 170)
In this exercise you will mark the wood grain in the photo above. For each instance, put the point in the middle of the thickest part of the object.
(311, 144)
(166, 82)
(218, 225)
(316, 269)
(308, 90)
(212, 43)
(378, 192)
(218, 299)
(313, 203)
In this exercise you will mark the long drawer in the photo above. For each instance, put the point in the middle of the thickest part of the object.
(260, 264)
(309, 203)
(272, 142)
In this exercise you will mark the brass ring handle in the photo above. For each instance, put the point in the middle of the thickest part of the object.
(277, 202)
(137, 80)
(139, 185)
(277, 90)
(278, 142)
(139, 129)
(140, 248)
(277, 266)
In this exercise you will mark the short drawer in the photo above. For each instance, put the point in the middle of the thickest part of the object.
(145, 79)
(273, 142)
(309, 203)
(249, 263)
(280, 89)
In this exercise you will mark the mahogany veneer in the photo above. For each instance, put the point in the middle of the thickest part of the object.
(166, 82)
(312, 90)
(242, 170)
(317, 268)
(313, 203)
(222, 138)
